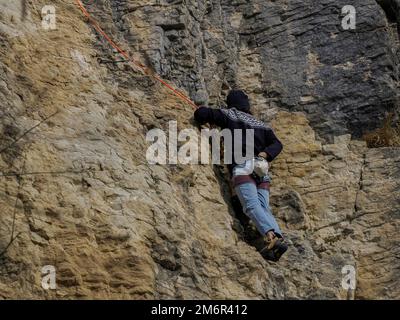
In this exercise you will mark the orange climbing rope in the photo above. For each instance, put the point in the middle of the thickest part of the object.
(126, 56)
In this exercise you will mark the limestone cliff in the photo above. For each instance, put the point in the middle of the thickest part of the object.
(86, 201)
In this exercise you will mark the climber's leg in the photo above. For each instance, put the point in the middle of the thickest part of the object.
(248, 196)
(273, 249)
(238, 209)
(263, 197)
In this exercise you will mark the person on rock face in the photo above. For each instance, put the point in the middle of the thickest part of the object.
(250, 178)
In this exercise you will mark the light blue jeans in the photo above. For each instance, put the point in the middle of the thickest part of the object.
(255, 203)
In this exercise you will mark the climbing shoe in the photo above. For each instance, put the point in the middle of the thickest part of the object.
(268, 245)
(274, 249)
(279, 249)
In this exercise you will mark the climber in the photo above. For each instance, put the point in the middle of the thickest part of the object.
(250, 178)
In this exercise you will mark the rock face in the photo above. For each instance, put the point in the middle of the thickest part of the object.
(86, 201)
(344, 80)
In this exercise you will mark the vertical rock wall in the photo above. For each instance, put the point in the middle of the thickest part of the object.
(86, 201)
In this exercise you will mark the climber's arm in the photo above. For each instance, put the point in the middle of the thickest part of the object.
(205, 115)
(274, 146)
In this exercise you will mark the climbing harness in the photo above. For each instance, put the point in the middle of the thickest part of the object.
(141, 66)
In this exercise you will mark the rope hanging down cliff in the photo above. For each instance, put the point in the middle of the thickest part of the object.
(145, 69)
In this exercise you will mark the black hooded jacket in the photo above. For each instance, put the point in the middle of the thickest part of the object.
(264, 138)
